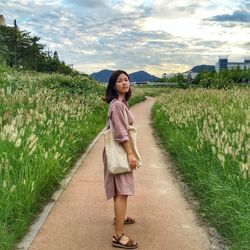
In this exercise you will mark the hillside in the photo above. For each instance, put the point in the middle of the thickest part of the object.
(203, 68)
(102, 76)
(142, 76)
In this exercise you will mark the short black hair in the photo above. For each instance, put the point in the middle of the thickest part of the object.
(111, 93)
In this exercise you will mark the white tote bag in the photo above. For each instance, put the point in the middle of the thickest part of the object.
(117, 160)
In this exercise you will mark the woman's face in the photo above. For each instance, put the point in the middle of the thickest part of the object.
(122, 84)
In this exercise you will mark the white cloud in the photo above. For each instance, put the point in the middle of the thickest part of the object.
(94, 67)
(88, 52)
(68, 42)
(127, 6)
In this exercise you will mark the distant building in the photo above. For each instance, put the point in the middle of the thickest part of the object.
(165, 75)
(2, 20)
(223, 63)
(189, 75)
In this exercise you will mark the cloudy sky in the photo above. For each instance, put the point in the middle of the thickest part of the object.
(153, 35)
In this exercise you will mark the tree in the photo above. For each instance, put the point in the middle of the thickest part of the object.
(19, 49)
(8, 38)
(3, 50)
(31, 53)
(55, 56)
(245, 75)
(64, 69)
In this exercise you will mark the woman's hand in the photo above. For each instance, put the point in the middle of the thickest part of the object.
(132, 161)
(131, 156)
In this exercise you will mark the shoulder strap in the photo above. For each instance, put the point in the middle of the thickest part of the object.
(126, 116)
(108, 121)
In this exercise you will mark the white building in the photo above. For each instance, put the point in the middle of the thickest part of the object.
(2, 20)
(223, 63)
(166, 76)
(189, 75)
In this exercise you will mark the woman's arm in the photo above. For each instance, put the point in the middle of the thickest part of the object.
(130, 154)
(121, 133)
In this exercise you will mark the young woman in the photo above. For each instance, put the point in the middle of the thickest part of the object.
(120, 186)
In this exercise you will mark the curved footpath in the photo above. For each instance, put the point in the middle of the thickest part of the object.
(82, 217)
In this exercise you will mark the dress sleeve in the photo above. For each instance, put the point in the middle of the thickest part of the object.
(118, 122)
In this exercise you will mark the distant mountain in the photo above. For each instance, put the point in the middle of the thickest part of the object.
(203, 68)
(102, 76)
(142, 76)
(139, 76)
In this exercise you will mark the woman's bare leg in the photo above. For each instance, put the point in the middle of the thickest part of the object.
(120, 207)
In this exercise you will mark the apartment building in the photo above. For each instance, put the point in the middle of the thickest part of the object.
(223, 63)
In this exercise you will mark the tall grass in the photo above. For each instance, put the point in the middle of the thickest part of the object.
(46, 123)
(207, 132)
(43, 130)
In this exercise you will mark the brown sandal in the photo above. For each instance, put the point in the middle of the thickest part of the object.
(123, 241)
(128, 220)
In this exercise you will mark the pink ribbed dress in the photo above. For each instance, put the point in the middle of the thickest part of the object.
(122, 184)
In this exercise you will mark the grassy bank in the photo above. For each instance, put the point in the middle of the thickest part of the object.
(46, 123)
(207, 133)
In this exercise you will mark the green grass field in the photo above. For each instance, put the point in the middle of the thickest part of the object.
(48, 120)
(207, 133)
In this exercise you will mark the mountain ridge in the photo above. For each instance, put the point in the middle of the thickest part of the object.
(143, 76)
(138, 76)
(202, 68)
